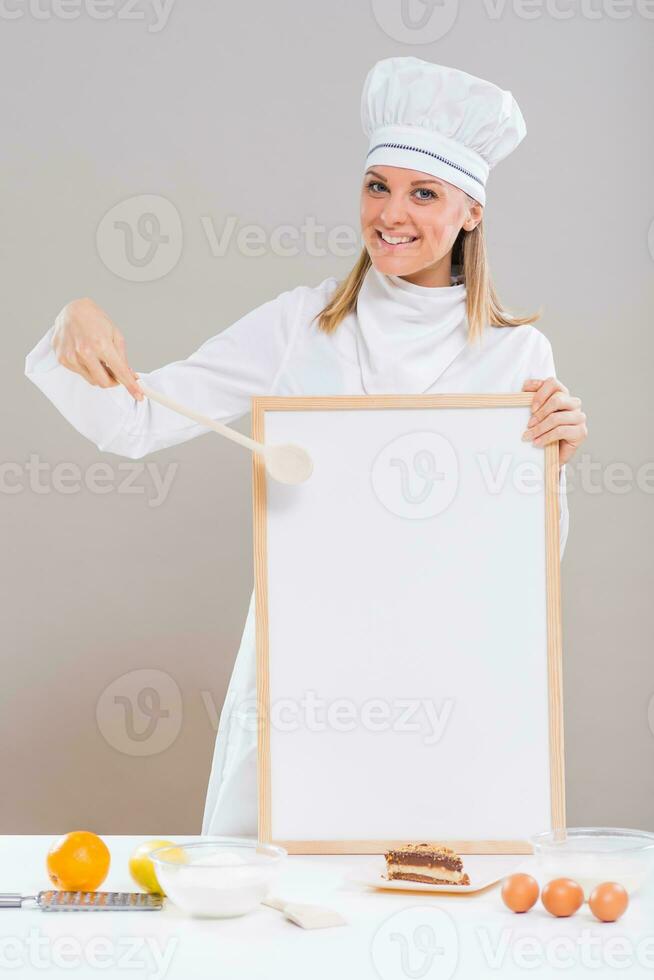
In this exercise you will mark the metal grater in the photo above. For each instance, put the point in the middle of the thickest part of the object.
(60, 901)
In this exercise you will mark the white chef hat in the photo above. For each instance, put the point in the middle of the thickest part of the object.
(439, 120)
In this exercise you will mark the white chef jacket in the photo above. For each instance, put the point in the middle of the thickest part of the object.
(401, 339)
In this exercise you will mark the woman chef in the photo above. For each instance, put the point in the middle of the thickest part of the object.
(417, 314)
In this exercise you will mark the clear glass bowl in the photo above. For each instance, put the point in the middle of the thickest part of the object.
(218, 877)
(591, 855)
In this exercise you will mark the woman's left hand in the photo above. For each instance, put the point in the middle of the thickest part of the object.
(556, 416)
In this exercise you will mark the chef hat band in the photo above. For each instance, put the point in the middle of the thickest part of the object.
(403, 146)
(438, 120)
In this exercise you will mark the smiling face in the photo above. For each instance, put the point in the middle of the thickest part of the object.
(410, 221)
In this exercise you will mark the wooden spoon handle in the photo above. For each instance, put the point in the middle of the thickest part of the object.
(223, 430)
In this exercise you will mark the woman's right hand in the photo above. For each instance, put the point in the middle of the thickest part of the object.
(86, 342)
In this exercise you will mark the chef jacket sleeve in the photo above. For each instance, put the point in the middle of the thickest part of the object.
(218, 380)
(543, 368)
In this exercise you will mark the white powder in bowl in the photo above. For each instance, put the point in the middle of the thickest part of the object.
(221, 860)
(224, 884)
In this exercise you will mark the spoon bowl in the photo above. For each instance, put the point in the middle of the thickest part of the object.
(287, 463)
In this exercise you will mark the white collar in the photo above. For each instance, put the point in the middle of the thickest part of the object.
(408, 335)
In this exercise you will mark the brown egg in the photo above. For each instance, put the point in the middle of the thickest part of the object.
(562, 897)
(519, 892)
(608, 901)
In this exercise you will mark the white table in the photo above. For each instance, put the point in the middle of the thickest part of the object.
(390, 935)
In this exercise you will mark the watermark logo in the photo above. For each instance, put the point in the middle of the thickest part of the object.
(310, 238)
(567, 9)
(416, 475)
(590, 949)
(37, 952)
(140, 713)
(140, 239)
(66, 477)
(415, 21)
(154, 13)
(420, 717)
(426, 21)
(418, 942)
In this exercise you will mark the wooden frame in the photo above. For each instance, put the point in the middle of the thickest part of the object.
(261, 405)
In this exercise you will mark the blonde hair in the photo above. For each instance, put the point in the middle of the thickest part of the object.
(469, 258)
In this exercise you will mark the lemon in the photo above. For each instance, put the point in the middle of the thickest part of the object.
(141, 866)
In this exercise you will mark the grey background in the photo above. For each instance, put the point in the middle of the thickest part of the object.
(253, 111)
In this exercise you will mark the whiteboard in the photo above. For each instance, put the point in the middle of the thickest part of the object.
(408, 626)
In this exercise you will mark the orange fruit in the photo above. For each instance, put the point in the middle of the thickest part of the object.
(78, 862)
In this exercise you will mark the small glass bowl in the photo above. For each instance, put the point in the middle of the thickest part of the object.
(591, 855)
(218, 877)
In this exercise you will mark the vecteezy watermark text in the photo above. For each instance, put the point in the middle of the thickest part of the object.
(287, 241)
(42, 477)
(153, 12)
(141, 713)
(426, 21)
(590, 949)
(420, 716)
(42, 952)
(141, 238)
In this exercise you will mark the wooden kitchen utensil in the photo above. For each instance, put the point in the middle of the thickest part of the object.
(286, 463)
(307, 916)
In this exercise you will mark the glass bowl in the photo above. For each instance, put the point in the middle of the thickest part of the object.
(591, 855)
(218, 877)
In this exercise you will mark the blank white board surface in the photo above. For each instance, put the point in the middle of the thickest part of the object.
(404, 669)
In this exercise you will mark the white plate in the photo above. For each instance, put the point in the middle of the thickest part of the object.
(483, 870)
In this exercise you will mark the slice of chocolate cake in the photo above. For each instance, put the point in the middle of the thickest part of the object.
(431, 863)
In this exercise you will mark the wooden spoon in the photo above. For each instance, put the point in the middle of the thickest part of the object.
(285, 463)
